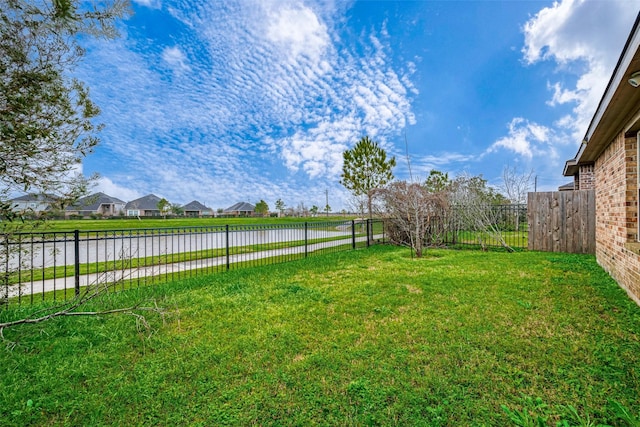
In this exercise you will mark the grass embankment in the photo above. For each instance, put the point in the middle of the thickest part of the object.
(162, 259)
(127, 223)
(354, 338)
(61, 271)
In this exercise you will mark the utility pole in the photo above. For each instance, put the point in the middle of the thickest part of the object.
(326, 194)
(535, 184)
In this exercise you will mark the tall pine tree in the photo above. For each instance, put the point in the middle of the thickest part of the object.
(365, 169)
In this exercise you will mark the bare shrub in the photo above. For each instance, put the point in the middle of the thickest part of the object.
(411, 211)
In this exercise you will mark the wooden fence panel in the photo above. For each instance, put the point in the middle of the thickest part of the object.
(562, 221)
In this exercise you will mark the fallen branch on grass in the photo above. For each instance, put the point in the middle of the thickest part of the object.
(99, 287)
(129, 310)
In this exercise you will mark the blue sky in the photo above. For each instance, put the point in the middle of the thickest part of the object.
(227, 101)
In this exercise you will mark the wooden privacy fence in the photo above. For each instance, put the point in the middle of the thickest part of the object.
(562, 221)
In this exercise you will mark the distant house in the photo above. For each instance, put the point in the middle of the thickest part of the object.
(144, 206)
(608, 163)
(96, 204)
(33, 203)
(570, 186)
(197, 210)
(240, 209)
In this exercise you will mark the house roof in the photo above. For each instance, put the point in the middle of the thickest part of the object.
(195, 206)
(147, 203)
(33, 197)
(241, 207)
(93, 202)
(619, 105)
(567, 187)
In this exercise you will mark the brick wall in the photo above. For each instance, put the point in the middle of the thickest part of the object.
(631, 197)
(617, 213)
(586, 177)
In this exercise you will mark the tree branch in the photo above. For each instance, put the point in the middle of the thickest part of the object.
(75, 313)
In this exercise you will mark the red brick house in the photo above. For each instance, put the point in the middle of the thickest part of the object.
(607, 162)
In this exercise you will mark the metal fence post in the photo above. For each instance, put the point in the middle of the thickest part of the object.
(76, 251)
(368, 232)
(306, 240)
(5, 278)
(353, 234)
(227, 245)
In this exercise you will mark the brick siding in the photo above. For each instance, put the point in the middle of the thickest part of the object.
(617, 212)
(586, 179)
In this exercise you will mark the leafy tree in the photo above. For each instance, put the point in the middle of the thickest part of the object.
(437, 181)
(280, 206)
(47, 120)
(262, 208)
(365, 169)
(314, 210)
(164, 207)
(327, 209)
(466, 188)
(176, 209)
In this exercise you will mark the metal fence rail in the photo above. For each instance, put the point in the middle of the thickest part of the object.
(471, 227)
(57, 265)
(486, 227)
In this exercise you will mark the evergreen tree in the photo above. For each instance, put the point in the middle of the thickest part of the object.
(365, 169)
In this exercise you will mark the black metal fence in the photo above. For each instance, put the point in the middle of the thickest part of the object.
(483, 227)
(57, 265)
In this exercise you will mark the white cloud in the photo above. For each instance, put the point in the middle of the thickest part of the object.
(297, 29)
(124, 193)
(418, 167)
(446, 158)
(258, 86)
(572, 30)
(153, 4)
(562, 95)
(175, 58)
(584, 38)
(526, 139)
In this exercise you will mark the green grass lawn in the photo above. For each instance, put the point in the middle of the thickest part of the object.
(369, 337)
(146, 222)
(473, 239)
